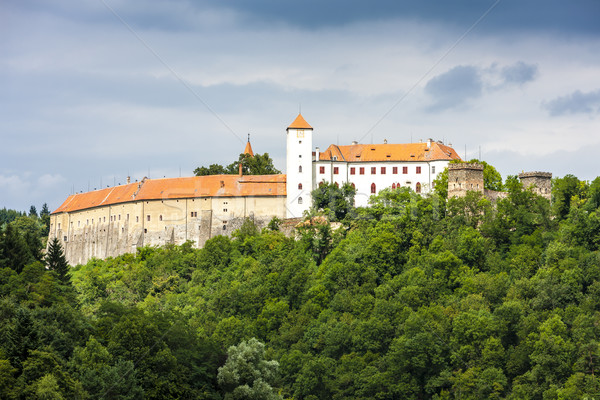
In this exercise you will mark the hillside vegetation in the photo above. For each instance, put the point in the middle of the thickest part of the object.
(411, 298)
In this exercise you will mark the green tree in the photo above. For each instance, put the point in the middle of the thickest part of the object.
(45, 218)
(14, 250)
(565, 190)
(336, 202)
(246, 374)
(258, 164)
(33, 212)
(56, 261)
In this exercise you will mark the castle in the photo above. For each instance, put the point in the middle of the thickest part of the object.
(117, 220)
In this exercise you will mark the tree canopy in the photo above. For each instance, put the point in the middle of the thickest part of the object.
(414, 297)
(257, 164)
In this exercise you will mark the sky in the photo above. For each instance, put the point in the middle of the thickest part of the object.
(92, 91)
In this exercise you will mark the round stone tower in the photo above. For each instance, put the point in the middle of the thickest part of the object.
(538, 182)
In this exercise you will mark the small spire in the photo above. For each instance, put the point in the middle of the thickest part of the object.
(248, 149)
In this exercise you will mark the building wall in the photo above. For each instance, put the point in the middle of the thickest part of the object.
(362, 182)
(109, 231)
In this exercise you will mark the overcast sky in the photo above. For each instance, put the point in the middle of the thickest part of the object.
(94, 90)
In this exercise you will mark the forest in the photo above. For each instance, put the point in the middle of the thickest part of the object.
(414, 297)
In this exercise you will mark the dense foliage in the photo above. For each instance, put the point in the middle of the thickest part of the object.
(414, 297)
(258, 164)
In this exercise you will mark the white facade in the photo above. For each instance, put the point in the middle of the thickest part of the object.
(416, 175)
(299, 169)
(370, 168)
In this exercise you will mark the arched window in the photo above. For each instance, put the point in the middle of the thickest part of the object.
(160, 218)
(300, 168)
(373, 187)
(393, 186)
(299, 200)
(299, 186)
(418, 187)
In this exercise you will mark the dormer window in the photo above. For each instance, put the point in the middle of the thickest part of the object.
(334, 158)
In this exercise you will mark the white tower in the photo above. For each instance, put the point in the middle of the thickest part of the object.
(299, 167)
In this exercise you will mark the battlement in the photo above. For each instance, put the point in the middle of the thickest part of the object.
(535, 174)
(470, 166)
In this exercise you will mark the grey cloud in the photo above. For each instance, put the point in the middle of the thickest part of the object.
(455, 87)
(576, 102)
(519, 73)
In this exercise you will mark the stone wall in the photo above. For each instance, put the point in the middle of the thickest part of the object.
(109, 231)
(464, 177)
(538, 182)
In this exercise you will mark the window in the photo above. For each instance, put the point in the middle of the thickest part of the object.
(321, 170)
(352, 171)
(300, 156)
(418, 170)
(394, 170)
(148, 217)
(119, 217)
(224, 210)
(145, 230)
(362, 170)
(418, 187)
(393, 186)
(300, 168)
(299, 200)
(87, 221)
(127, 218)
(137, 219)
(160, 217)
(299, 186)
(382, 170)
(59, 225)
(433, 169)
(336, 170)
(224, 227)
(405, 170)
(373, 188)
(373, 170)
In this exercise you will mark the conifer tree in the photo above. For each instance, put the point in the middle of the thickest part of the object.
(45, 217)
(56, 261)
(14, 251)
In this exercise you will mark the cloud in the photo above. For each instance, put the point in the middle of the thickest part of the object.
(574, 103)
(519, 73)
(455, 87)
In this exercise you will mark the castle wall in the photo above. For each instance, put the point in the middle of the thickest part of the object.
(109, 231)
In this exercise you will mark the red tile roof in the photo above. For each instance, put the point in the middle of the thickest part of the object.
(299, 123)
(390, 152)
(179, 188)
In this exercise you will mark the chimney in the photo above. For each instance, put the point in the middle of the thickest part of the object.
(240, 169)
(317, 154)
(354, 142)
(128, 180)
(384, 141)
(429, 141)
